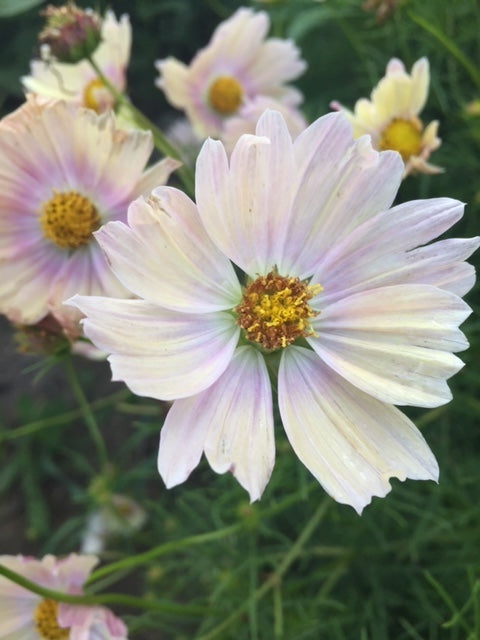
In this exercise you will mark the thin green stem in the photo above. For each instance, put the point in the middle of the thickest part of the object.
(101, 599)
(163, 549)
(87, 413)
(276, 577)
(63, 418)
(449, 45)
(161, 142)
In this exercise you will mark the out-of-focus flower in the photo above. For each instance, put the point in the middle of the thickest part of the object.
(120, 515)
(26, 615)
(342, 299)
(384, 9)
(64, 171)
(71, 34)
(238, 65)
(473, 108)
(79, 82)
(245, 121)
(390, 117)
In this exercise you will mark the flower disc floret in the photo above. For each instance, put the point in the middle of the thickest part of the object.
(275, 312)
(404, 136)
(69, 219)
(46, 621)
(225, 95)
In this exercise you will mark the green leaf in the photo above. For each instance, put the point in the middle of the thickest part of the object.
(14, 7)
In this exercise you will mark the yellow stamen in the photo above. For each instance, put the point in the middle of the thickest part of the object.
(275, 312)
(404, 136)
(96, 96)
(46, 621)
(225, 95)
(69, 219)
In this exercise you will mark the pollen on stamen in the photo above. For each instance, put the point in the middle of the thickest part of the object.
(46, 621)
(68, 219)
(275, 310)
(404, 136)
(225, 95)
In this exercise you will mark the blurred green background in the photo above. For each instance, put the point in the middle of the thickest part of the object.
(409, 567)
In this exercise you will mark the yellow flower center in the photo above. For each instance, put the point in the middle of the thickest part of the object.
(225, 95)
(96, 96)
(69, 219)
(275, 312)
(404, 136)
(46, 621)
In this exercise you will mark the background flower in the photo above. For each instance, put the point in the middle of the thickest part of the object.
(391, 116)
(78, 82)
(64, 171)
(26, 615)
(238, 65)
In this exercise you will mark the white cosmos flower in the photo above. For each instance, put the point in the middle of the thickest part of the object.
(343, 298)
(78, 82)
(239, 64)
(64, 171)
(25, 615)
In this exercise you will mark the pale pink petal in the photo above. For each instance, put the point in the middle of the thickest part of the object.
(339, 184)
(394, 342)
(249, 215)
(277, 62)
(232, 421)
(156, 175)
(350, 442)
(166, 257)
(173, 81)
(383, 252)
(91, 623)
(156, 352)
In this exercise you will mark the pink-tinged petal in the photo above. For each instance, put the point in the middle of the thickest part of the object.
(383, 251)
(156, 352)
(339, 184)
(277, 62)
(16, 618)
(166, 257)
(85, 272)
(173, 81)
(25, 283)
(248, 217)
(350, 442)
(232, 421)
(155, 176)
(72, 571)
(91, 623)
(394, 342)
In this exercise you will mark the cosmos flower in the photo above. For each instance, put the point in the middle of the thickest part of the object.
(78, 83)
(342, 300)
(64, 171)
(238, 65)
(26, 615)
(391, 116)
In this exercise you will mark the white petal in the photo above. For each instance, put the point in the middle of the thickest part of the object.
(166, 257)
(156, 175)
(156, 352)
(349, 441)
(383, 251)
(246, 207)
(339, 184)
(232, 421)
(395, 342)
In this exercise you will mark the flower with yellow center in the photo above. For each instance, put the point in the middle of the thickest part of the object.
(290, 267)
(390, 117)
(78, 82)
(46, 621)
(239, 65)
(225, 95)
(26, 615)
(80, 171)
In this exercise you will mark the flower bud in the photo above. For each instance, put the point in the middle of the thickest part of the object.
(70, 34)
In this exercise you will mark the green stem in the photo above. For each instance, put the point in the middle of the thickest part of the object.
(161, 142)
(87, 413)
(63, 418)
(102, 599)
(449, 45)
(276, 577)
(161, 550)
